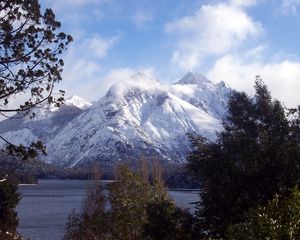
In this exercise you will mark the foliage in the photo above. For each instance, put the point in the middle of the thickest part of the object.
(255, 157)
(129, 197)
(128, 211)
(279, 219)
(168, 222)
(30, 63)
(9, 198)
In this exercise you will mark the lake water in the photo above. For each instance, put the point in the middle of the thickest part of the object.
(44, 208)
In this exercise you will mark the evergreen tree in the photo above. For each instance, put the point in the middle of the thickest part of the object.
(9, 198)
(255, 157)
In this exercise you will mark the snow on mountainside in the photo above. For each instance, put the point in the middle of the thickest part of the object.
(202, 93)
(47, 122)
(78, 102)
(138, 117)
(22, 136)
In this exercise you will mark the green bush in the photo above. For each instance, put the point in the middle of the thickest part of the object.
(279, 219)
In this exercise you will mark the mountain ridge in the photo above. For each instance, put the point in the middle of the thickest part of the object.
(138, 117)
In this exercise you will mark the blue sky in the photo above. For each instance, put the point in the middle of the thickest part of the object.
(230, 40)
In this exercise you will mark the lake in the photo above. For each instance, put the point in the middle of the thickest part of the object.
(44, 208)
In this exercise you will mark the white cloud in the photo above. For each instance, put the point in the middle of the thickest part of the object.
(99, 85)
(257, 52)
(99, 46)
(141, 17)
(212, 30)
(80, 70)
(83, 57)
(290, 6)
(95, 89)
(243, 3)
(83, 64)
(282, 77)
(119, 74)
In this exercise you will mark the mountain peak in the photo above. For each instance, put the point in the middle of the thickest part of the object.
(78, 102)
(141, 81)
(193, 78)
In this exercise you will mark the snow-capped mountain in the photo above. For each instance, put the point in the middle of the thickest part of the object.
(138, 117)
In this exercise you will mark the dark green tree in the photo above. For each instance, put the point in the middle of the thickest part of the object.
(30, 62)
(255, 157)
(9, 198)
